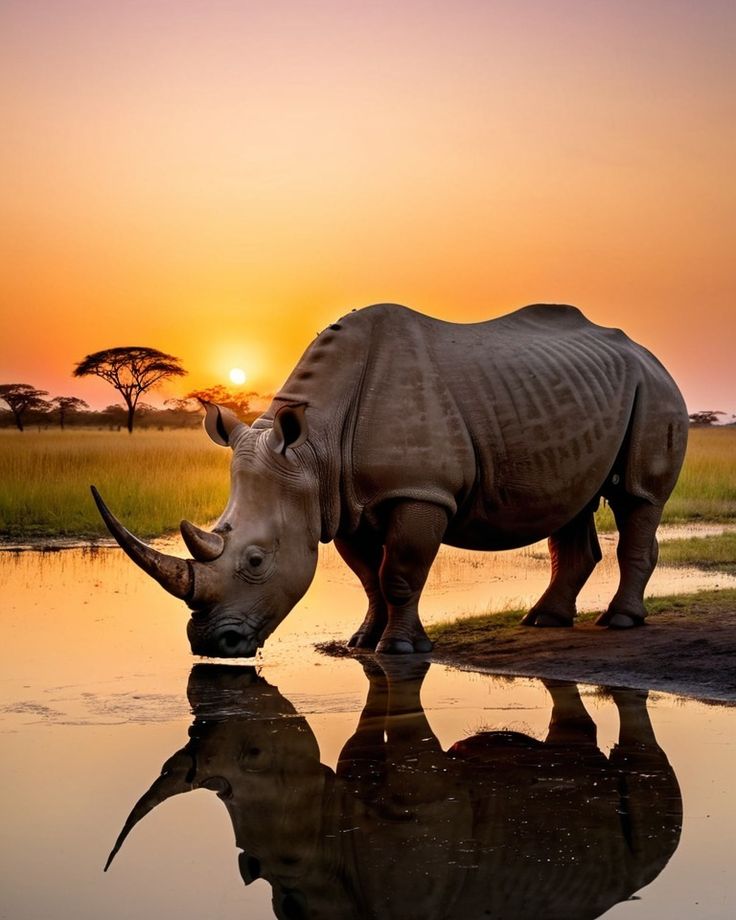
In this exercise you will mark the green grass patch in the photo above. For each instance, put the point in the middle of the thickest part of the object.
(470, 631)
(150, 480)
(715, 552)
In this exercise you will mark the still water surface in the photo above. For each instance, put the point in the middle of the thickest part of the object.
(313, 787)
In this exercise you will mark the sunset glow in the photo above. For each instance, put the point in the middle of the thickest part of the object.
(237, 376)
(222, 180)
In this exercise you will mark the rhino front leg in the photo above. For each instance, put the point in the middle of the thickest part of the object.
(363, 552)
(413, 536)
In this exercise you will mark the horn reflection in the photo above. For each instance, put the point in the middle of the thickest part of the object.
(174, 779)
(500, 825)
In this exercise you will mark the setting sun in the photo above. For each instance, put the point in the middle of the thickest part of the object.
(237, 376)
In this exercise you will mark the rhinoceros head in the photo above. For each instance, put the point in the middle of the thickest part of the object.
(259, 559)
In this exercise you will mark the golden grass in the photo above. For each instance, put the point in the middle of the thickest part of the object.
(706, 489)
(150, 479)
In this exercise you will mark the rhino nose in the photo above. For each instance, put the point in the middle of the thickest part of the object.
(227, 642)
(232, 643)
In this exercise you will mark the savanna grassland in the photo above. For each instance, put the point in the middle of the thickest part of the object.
(706, 489)
(152, 479)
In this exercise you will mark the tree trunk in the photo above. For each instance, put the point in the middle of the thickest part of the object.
(131, 413)
(18, 420)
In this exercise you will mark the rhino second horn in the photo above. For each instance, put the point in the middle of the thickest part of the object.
(172, 573)
(202, 544)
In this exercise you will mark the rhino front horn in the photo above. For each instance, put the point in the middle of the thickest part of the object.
(172, 573)
(202, 544)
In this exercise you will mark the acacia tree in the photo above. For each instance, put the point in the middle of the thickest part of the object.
(20, 397)
(132, 370)
(237, 401)
(67, 405)
(706, 417)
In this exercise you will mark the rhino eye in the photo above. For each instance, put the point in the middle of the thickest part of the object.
(256, 564)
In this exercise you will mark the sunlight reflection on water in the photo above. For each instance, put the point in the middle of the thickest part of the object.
(93, 699)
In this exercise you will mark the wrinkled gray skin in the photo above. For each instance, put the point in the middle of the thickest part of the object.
(396, 433)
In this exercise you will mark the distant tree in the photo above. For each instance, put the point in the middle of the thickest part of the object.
(67, 405)
(181, 413)
(22, 397)
(180, 405)
(132, 370)
(239, 402)
(113, 416)
(706, 417)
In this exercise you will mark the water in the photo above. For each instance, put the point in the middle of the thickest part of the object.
(466, 804)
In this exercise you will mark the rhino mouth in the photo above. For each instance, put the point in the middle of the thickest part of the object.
(227, 641)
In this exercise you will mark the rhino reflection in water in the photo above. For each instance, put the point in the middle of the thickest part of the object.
(396, 433)
(500, 825)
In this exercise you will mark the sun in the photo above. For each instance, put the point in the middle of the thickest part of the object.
(237, 376)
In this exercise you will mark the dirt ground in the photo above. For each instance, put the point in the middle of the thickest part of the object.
(691, 654)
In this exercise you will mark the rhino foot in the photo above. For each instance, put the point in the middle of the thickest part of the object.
(363, 639)
(614, 619)
(545, 618)
(389, 646)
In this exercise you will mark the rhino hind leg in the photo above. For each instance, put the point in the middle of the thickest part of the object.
(637, 520)
(574, 551)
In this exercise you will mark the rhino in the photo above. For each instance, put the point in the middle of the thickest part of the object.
(500, 824)
(396, 433)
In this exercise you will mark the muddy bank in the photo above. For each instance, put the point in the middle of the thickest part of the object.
(687, 647)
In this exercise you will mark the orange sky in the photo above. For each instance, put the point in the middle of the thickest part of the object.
(220, 180)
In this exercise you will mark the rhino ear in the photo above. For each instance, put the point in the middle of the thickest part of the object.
(289, 429)
(221, 424)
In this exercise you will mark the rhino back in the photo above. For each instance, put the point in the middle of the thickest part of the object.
(512, 424)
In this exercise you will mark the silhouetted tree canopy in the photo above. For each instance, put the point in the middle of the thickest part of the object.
(132, 370)
(67, 405)
(176, 404)
(20, 398)
(706, 417)
(239, 402)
